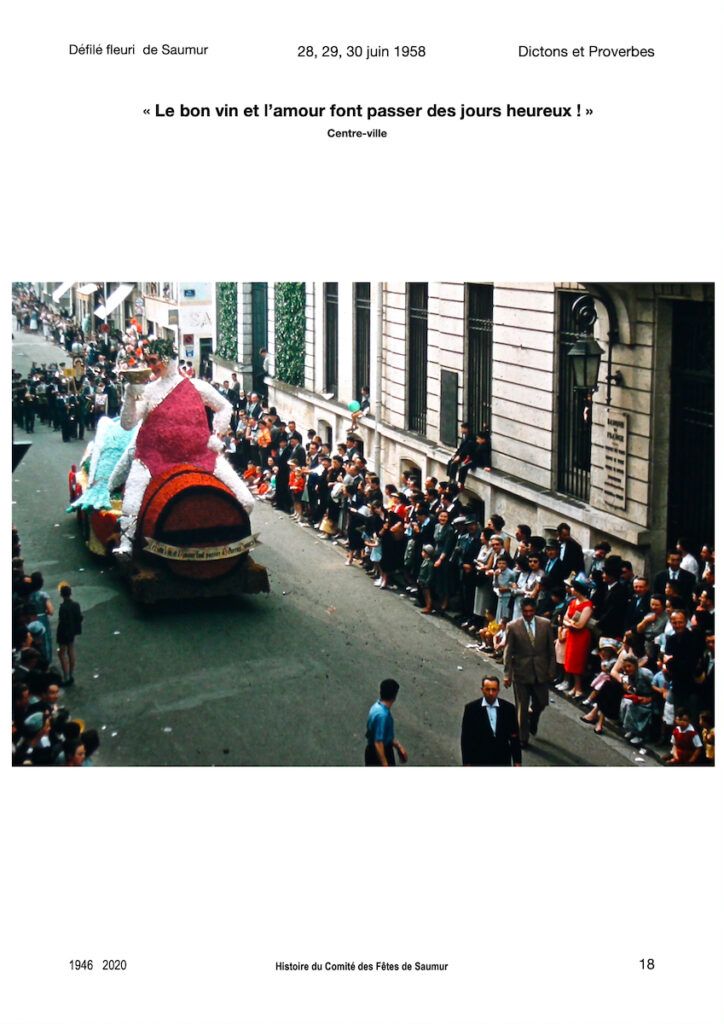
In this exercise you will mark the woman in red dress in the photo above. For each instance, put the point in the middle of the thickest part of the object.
(578, 641)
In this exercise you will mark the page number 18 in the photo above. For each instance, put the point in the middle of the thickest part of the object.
(648, 965)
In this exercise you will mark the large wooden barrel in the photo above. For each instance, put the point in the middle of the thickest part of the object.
(189, 508)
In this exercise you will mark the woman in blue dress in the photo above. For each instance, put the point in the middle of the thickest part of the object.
(41, 606)
(503, 577)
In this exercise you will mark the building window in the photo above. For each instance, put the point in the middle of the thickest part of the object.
(417, 357)
(691, 456)
(259, 326)
(361, 337)
(575, 406)
(479, 333)
(331, 336)
(325, 431)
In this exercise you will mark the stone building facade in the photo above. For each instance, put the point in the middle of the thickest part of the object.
(629, 460)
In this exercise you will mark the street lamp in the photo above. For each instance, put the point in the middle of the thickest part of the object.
(585, 355)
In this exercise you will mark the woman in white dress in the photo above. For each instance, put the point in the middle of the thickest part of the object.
(484, 596)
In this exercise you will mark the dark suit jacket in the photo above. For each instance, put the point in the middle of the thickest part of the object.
(465, 448)
(573, 557)
(481, 456)
(687, 650)
(686, 581)
(637, 608)
(298, 453)
(555, 573)
(527, 663)
(480, 746)
(612, 616)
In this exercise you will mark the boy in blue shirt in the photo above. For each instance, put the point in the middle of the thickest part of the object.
(381, 742)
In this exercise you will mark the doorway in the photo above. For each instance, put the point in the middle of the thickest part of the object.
(691, 460)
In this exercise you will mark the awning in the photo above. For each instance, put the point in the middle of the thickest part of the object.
(87, 289)
(60, 292)
(114, 300)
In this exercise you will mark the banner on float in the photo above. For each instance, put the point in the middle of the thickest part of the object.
(215, 554)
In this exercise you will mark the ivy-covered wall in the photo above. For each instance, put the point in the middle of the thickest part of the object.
(289, 299)
(227, 320)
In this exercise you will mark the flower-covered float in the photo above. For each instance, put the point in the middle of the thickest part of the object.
(154, 488)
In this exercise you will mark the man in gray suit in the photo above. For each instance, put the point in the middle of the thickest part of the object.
(530, 664)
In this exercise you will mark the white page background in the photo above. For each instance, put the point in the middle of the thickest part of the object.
(541, 889)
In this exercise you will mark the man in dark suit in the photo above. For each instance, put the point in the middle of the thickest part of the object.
(683, 653)
(283, 499)
(481, 457)
(490, 731)
(571, 552)
(685, 580)
(611, 611)
(255, 409)
(464, 451)
(640, 604)
(296, 449)
(553, 567)
(530, 664)
(235, 391)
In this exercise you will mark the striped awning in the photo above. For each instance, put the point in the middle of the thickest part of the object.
(114, 300)
(61, 290)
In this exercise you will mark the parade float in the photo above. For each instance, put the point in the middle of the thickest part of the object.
(155, 492)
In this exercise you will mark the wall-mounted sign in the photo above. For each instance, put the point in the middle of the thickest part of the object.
(614, 463)
(196, 319)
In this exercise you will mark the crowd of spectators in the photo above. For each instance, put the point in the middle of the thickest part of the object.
(44, 733)
(73, 391)
(633, 650)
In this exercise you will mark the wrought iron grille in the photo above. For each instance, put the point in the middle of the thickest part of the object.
(575, 407)
(417, 357)
(361, 337)
(479, 330)
(691, 459)
(331, 336)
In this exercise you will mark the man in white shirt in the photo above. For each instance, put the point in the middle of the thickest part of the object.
(489, 735)
(688, 561)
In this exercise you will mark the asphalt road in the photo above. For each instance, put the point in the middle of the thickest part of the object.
(280, 679)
